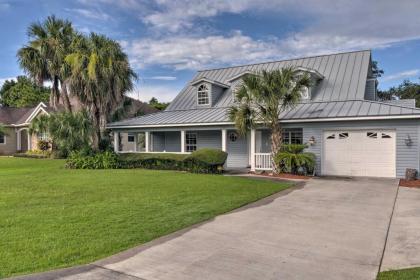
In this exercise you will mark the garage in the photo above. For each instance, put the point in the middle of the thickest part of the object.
(359, 153)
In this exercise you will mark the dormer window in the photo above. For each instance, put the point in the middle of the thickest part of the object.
(203, 95)
(305, 95)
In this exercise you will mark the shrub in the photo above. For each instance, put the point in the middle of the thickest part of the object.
(43, 145)
(34, 154)
(292, 159)
(86, 160)
(202, 161)
(210, 156)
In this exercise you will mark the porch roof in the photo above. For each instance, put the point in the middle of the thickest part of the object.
(314, 111)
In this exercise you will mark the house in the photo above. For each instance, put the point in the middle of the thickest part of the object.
(349, 130)
(17, 120)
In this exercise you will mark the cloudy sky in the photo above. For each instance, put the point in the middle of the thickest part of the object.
(168, 40)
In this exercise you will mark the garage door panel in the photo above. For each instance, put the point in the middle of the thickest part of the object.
(359, 153)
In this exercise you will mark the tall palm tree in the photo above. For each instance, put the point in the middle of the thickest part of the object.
(261, 99)
(100, 77)
(43, 57)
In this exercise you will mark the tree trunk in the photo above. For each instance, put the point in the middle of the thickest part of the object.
(65, 96)
(54, 96)
(276, 140)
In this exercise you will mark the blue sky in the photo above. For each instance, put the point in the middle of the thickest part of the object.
(168, 40)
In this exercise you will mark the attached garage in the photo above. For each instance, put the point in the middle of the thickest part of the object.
(359, 153)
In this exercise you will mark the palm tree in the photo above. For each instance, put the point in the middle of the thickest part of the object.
(43, 57)
(261, 99)
(100, 77)
(68, 131)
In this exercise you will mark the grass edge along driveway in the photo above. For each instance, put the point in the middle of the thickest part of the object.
(52, 217)
(401, 274)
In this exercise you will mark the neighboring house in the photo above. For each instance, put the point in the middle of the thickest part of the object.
(345, 126)
(16, 121)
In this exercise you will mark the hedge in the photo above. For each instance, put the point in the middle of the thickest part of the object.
(202, 161)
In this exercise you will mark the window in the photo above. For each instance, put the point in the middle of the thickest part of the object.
(292, 136)
(305, 94)
(233, 136)
(131, 138)
(43, 136)
(372, 134)
(191, 142)
(2, 138)
(384, 135)
(332, 136)
(343, 135)
(203, 95)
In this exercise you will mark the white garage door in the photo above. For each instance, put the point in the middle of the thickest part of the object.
(359, 153)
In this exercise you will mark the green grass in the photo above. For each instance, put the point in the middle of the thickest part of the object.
(51, 217)
(403, 274)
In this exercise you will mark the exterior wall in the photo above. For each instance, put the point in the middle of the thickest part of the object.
(407, 156)
(209, 139)
(125, 145)
(238, 156)
(370, 92)
(10, 146)
(216, 92)
(158, 142)
(173, 141)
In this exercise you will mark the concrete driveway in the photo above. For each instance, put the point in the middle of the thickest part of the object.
(328, 229)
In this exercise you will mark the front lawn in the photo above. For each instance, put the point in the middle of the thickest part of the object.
(403, 274)
(52, 217)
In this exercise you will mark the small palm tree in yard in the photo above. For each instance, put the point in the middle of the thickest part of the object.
(292, 159)
(261, 99)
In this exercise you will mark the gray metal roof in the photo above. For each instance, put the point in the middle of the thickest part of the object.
(344, 75)
(303, 111)
(340, 94)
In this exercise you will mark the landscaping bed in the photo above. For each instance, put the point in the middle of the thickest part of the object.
(410, 183)
(53, 217)
(282, 175)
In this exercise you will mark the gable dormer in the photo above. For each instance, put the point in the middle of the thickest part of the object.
(208, 91)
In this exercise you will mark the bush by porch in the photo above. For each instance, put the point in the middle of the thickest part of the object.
(201, 161)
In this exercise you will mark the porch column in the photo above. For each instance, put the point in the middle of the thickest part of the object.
(18, 138)
(135, 141)
(224, 140)
(252, 149)
(146, 141)
(182, 141)
(29, 141)
(116, 141)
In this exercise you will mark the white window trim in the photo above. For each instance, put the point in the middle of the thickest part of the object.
(5, 141)
(208, 86)
(128, 138)
(196, 141)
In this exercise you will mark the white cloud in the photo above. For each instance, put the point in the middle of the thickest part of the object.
(91, 14)
(162, 93)
(328, 26)
(184, 52)
(401, 75)
(161, 78)
(2, 80)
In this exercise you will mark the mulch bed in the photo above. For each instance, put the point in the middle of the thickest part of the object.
(283, 175)
(410, 183)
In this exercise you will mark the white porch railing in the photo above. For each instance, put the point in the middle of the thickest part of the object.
(263, 161)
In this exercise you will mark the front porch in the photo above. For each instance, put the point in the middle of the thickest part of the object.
(249, 151)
